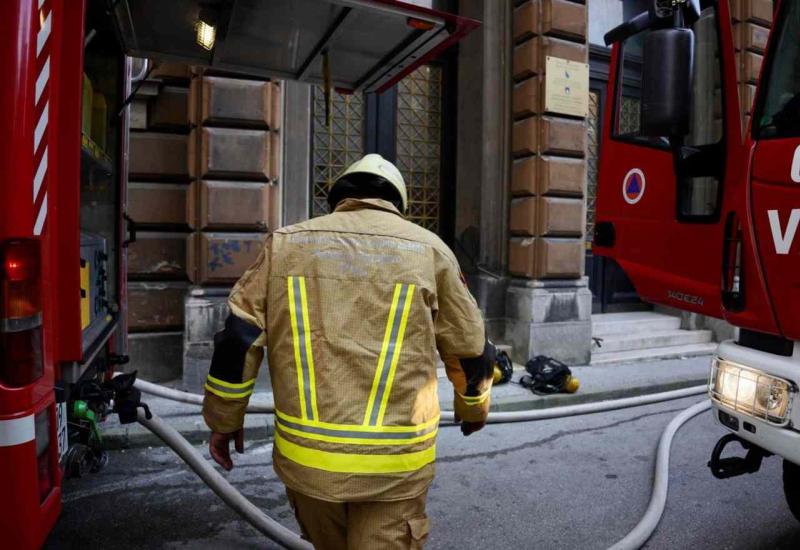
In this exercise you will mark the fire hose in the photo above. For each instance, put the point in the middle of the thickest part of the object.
(636, 538)
(282, 535)
(447, 416)
(221, 486)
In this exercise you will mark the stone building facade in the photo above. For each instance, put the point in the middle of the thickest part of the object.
(499, 178)
(507, 184)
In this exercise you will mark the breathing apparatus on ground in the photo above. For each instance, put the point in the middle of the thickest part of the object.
(547, 375)
(503, 368)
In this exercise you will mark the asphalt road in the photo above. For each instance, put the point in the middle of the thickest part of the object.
(576, 483)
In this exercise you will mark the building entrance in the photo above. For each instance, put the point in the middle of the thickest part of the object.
(404, 124)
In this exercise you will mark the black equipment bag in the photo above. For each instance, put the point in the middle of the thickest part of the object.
(545, 375)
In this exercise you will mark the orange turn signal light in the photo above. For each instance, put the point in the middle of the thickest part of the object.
(419, 24)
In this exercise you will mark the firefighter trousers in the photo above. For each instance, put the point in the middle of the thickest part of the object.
(394, 525)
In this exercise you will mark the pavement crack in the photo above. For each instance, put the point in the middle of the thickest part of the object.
(125, 485)
(556, 436)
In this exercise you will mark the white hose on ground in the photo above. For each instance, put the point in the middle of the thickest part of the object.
(269, 527)
(588, 408)
(636, 538)
(168, 393)
(447, 416)
(192, 398)
(227, 492)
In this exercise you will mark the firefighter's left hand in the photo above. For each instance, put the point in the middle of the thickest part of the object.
(219, 447)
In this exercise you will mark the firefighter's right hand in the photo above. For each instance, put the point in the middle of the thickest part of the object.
(468, 428)
(219, 447)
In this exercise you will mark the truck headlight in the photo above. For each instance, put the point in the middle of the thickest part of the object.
(750, 391)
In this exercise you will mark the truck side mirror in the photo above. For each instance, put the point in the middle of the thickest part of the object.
(668, 57)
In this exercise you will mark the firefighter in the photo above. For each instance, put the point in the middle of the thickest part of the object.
(352, 308)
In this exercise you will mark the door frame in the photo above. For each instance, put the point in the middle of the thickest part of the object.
(380, 135)
(611, 289)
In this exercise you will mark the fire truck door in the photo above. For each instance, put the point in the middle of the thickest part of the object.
(666, 230)
(775, 178)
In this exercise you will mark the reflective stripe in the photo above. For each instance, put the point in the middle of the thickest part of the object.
(44, 34)
(41, 217)
(354, 463)
(355, 436)
(396, 352)
(387, 336)
(298, 360)
(385, 439)
(475, 400)
(41, 126)
(301, 335)
(358, 427)
(390, 353)
(232, 385)
(311, 391)
(17, 431)
(41, 80)
(38, 179)
(226, 394)
(230, 390)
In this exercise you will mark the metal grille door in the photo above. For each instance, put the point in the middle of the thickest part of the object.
(419, 134)
(337, 146)
(629, 115)
(592, 158)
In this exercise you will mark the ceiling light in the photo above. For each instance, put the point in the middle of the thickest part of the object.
(206, 28)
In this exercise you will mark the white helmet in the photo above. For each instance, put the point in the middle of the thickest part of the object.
(379, 166)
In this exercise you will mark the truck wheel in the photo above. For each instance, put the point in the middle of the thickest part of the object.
(78, 461)
(791, 487)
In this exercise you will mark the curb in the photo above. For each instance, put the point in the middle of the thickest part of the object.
(136, 436)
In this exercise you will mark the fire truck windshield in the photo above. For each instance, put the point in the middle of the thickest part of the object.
(779, 115)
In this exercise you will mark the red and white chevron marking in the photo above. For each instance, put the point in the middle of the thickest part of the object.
(42, 111)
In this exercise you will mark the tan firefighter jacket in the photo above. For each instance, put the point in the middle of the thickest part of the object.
(352, 308)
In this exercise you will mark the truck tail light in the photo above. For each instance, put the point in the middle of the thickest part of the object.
(21, 361)
(732, 281)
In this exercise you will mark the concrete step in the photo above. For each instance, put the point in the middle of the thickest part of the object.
(634, 322)
(669, 352)
(659, 339)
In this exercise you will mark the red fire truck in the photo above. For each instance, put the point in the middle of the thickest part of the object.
(63, 186)
(703, 218)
